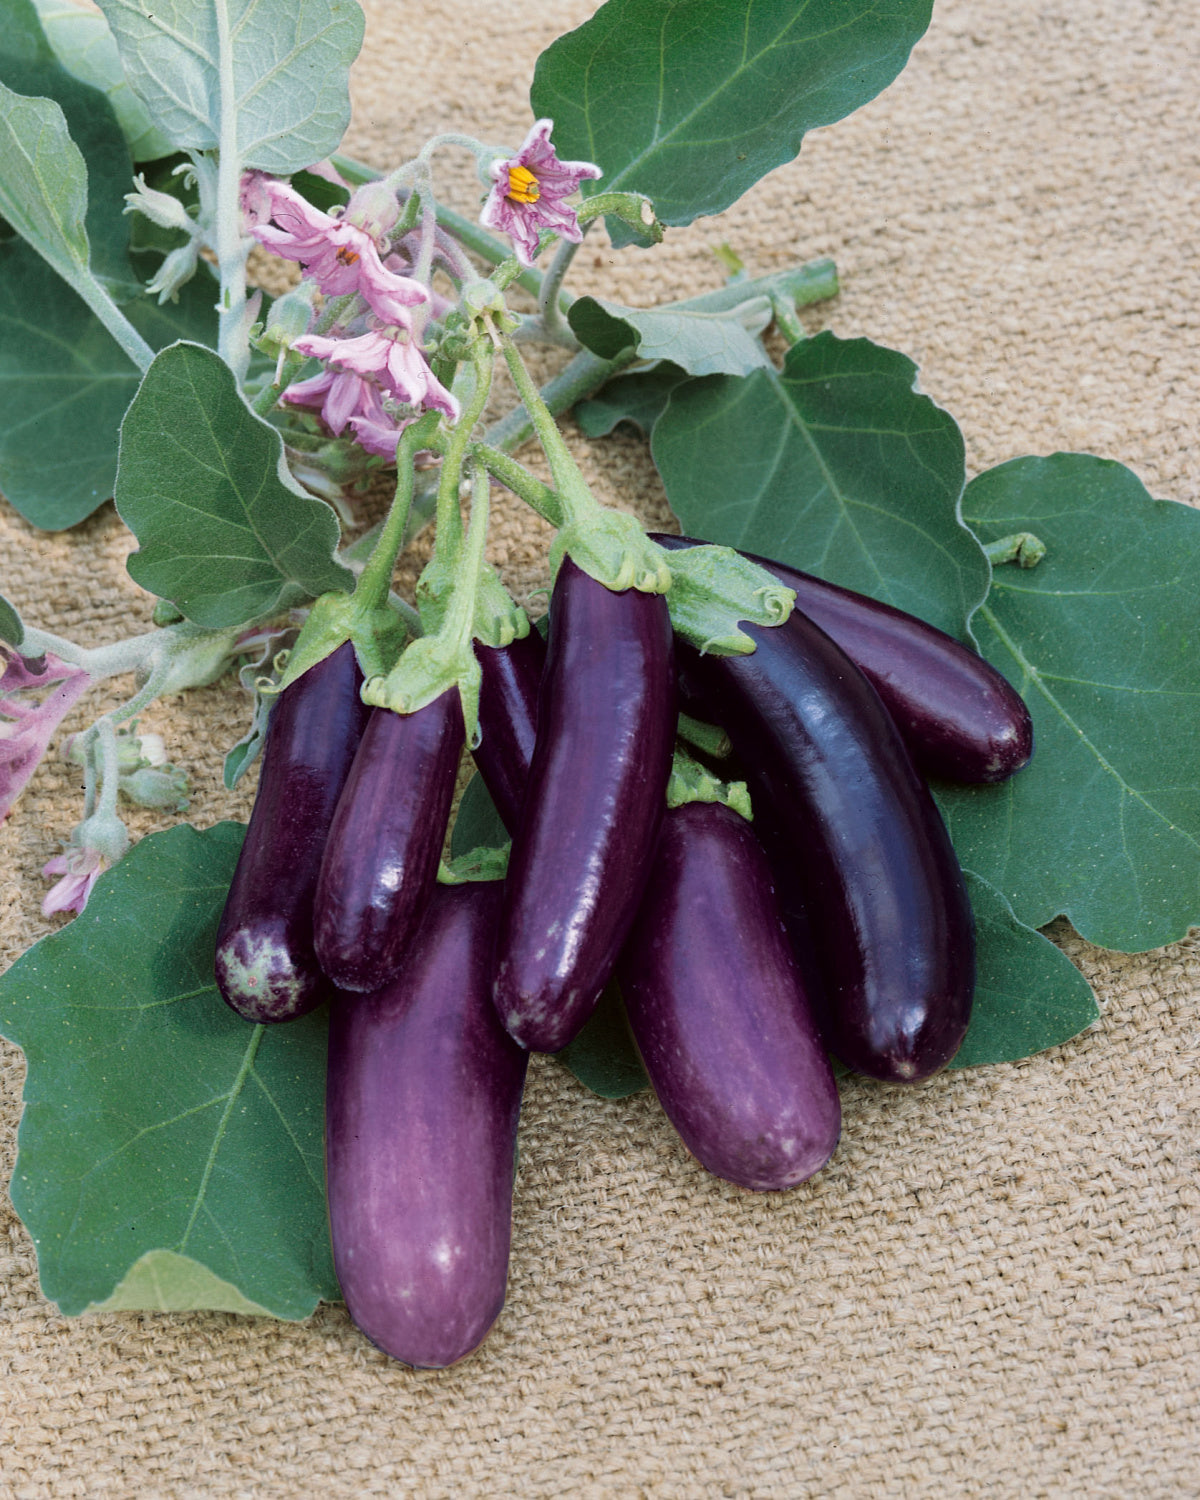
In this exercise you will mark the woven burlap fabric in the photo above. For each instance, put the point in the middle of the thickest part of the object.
(992, 1288)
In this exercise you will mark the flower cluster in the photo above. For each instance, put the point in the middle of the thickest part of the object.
(368, 376)
(26, 725)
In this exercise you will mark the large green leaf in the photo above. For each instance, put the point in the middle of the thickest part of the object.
(637, 396)
(156, 1120)
(720, 343)
(28, 65)
(692, 102)
(83, 42)
(836, 466)
(1028, 993)
(65, 384)
(225, 533)
(280, 69)
(1103, 640)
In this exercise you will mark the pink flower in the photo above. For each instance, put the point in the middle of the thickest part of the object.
(336, 395)
(378, 432)
(340, 256)
(26, 726)
(80, 869)
(395, 363)
(530, 193)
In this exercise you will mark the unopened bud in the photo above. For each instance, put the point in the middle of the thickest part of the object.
(373, 209)
(150, 787)
(162, 208)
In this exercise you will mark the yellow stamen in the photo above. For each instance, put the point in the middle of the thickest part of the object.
(346, 256)
(523, 186)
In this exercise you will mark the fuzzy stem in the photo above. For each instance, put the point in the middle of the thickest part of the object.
(784, 310)
(449, 517)
(548, 297)
(232, 342)
(376, 576)
(114, 320)
(572, 487)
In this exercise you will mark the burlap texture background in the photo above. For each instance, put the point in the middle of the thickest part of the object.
(992, 1288)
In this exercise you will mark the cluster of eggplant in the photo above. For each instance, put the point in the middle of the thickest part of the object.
(837, 922)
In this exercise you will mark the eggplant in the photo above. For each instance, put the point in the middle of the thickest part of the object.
(958, 716)
(858, 832)
(422, 1097)
(266, 966)
(381, 856)
(717, 1008)
(595, 799)
(508, 699)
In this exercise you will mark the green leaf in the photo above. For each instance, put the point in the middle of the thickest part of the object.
(155, 1118)
(691, 103)
(225, 533)
(638, 396)
(477, 825)
(65, 384)
(28, 65)
(722, 343)
(603, 1056)
(84, 45)
(1102, 638)
(162, 1281)
(836, 466)
(12, 632)
(281, 68)
(43, 182)
(1028, 993)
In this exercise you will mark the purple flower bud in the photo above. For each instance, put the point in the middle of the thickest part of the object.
(26, 724)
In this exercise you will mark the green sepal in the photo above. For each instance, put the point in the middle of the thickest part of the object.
(711, 738)
(611, 547)
(478, 864)
(378, 634)
(633, 209)
(429, 667)
(691, 782)
(713, 588)
(498, 621)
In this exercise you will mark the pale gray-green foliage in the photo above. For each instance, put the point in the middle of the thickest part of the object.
(721, 343)
(43, 181)
(280, 67)
(84, 45)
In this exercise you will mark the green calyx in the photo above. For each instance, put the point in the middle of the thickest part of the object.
(692, 782)
(477, 864)
(713, 589)
(611, 547)
(633, 209)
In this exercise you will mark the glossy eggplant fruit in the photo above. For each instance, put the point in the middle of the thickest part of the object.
(718, 1009)
(852, 826)
(266, 966)
(958, 716)
(596, 795)
(422, 1099)
(381, 856)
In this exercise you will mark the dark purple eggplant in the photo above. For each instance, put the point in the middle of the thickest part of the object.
(581, 855)
(958, 716)
(423, 1093)
(508, 699)
(265, 964)
(717, 1008)
(835, 789)
(381, 857)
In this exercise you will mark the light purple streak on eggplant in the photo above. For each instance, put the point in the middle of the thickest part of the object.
(265, 964)
(508, 699)
(718, 1010)
(581, 855)
(837, 799)
(958, 716)
(381, 857)
(424, 1091)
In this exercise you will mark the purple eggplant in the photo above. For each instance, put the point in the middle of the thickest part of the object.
(423, 1093)
(265, 964)
(381, 857)
(581, 855)
(718, 1010)
(837, 793)
(959, 717)
(508, 699)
